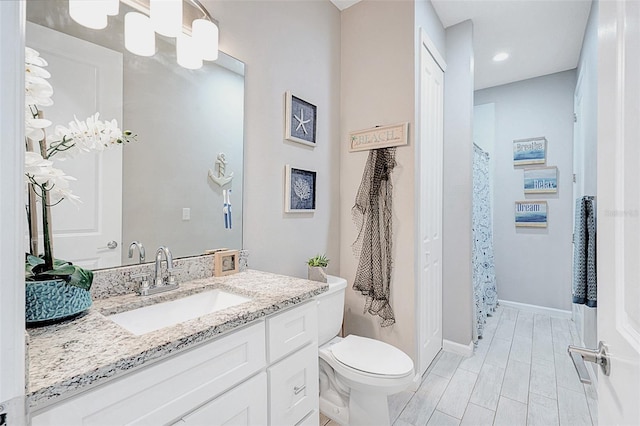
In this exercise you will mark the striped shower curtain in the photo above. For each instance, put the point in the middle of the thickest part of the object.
(484, 273)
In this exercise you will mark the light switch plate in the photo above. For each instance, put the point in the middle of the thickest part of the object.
(186, 213)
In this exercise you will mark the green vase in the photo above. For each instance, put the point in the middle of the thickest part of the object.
(53, 301)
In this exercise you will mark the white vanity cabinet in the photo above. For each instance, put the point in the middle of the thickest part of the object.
(166, 390)
(293, 372)
(265, 373)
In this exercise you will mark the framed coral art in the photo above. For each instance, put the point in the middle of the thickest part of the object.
(300, 190)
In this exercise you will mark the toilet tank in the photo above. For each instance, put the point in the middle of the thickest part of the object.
(331, 309)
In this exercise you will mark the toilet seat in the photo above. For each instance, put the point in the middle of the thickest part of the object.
(372, 357)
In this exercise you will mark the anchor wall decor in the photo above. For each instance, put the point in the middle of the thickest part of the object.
(220, 178)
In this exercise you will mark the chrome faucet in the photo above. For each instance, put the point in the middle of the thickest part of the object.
(141, 252)
(159, 282)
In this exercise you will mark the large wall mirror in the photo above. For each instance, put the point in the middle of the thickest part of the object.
(155, 190)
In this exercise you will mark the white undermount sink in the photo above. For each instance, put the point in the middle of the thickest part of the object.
(154, 317)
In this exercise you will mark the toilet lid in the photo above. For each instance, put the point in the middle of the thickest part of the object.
(372, 356)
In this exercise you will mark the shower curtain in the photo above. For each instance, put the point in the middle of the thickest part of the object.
(484, 274)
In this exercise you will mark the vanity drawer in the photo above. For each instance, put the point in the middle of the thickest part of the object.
(246, 404)
(291, 330)
(167, 389)
(293, 387)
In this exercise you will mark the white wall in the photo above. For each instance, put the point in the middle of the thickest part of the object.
(457, 296)
(427, 19)
(533, 266)
(12, 348)
(286, 46)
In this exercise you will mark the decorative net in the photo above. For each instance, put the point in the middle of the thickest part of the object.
(372, 214)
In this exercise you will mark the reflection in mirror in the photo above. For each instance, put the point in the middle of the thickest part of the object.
(155, 190)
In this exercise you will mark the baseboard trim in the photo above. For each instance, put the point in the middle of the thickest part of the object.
(457, 348)
(552, 312)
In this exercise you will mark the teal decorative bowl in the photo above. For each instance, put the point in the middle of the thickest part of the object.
(53, 301)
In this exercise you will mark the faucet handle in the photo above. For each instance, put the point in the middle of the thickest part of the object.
(171, 278)
(143, 289)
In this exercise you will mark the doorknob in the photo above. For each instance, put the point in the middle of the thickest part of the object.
(599, 356)
(111, 245)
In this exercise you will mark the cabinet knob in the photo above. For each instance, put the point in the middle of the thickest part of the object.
(298, 389)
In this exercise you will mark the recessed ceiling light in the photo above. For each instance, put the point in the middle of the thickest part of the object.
(499, 57)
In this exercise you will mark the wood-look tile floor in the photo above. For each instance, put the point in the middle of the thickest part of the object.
(520, 374)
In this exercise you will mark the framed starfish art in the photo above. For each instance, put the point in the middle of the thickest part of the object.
(300, 120)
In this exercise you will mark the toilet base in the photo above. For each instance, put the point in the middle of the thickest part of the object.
(368, 409)
(337, 413)
(365, 409)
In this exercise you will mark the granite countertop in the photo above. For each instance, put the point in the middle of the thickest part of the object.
(67, 357)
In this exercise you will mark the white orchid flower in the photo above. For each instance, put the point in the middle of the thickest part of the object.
(41, 172)
(34, 126)
(32, 57)
(36, 71)
(89, 135)
(38, 91)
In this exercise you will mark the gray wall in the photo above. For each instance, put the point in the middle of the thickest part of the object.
(585, 151)
(457, 299)
(533, 266)
(379, 78)
(378, 89)
(286, 46)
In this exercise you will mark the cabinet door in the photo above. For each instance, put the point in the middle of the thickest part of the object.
(293, 387)
(245, 405)
(291, 330)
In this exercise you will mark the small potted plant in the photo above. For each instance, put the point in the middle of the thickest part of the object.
(316, 270)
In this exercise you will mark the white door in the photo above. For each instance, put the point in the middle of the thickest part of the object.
(619, 210)
(86, 79)
(430, 216)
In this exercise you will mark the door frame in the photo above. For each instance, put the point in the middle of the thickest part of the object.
(12, 329)
(423, 43)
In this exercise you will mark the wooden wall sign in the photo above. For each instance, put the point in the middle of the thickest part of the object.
(379, 137)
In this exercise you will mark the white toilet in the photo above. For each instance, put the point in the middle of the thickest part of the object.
(356, 373)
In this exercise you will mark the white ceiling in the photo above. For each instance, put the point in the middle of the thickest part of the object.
(541, 36)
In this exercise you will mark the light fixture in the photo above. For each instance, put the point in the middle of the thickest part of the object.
(139, 37)
(500, 56)
(205, 35)
(187, 52)
(112, 7)
(165, 17)
(89, 14)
